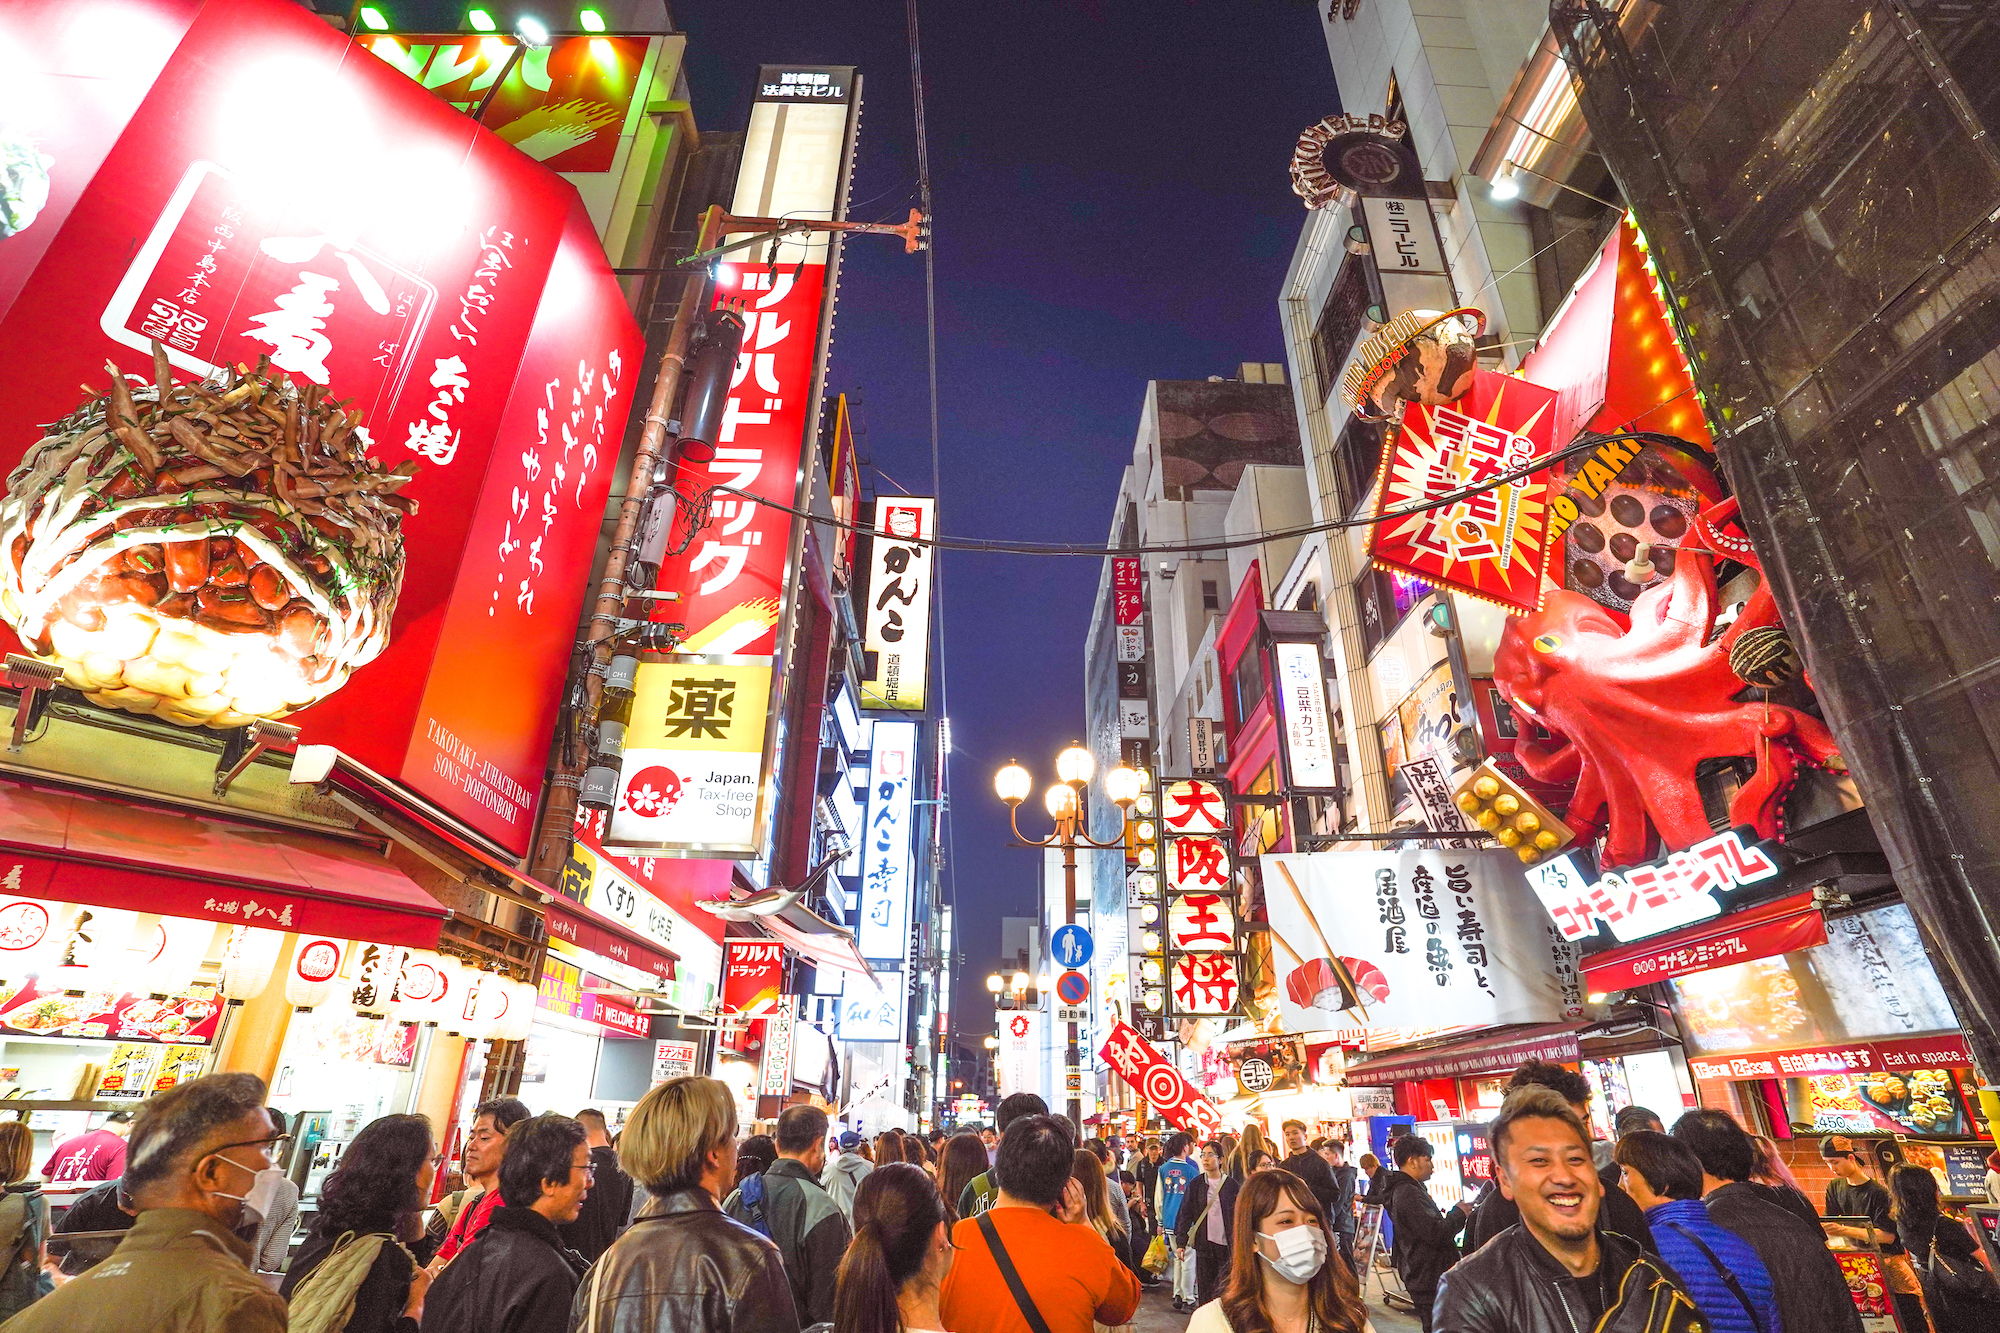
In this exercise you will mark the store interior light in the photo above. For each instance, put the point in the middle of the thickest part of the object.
(531, 30)
(480, 20)
(1506, 188)
(590, 20)
(373, 19)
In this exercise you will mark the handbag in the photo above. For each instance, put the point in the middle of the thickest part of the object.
(1961, 1280)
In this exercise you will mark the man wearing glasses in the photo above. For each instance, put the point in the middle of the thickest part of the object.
(196, 1152)
(517, 1276)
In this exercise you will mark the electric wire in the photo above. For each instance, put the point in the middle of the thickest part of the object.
(1586, 444)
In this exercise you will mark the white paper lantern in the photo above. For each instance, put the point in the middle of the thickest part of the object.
(180, 948)
(450, 986)
(314, 975)
(376, 968)
(248, 959)
(476, 1008)
(499, 1002)
(94, 951)
(415, 986)
(520, 1015)
(30, 931)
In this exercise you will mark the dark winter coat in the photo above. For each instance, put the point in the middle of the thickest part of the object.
(685, 1267)
(1812, 1294)
(1424, 1248)
(810, 1231)
(515, 1277)
(605, 1208)
(1512, 1285)
(384, 1292)
(1678, 1225)
(1310, 1167)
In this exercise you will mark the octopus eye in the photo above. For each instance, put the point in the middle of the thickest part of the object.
(1548, 643)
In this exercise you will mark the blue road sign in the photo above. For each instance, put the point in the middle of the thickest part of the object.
(1072, 988)
(1070, 946)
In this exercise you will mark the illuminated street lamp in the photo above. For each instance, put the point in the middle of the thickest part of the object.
(1020, 982)
(992, 1043)
(993, 983)
(1074, 768)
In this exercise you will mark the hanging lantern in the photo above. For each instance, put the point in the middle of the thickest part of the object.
(520, 1012)
(30, 930)
(249, 957)
(376, 969)
(180, 948)
(314, 975)
(416, 987)
(93, 953)
(475, 1016)
(450, 984)
(498, 1004)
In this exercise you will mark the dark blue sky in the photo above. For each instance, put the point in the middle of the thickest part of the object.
(1112, 206)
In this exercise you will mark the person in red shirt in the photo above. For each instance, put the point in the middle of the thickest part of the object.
(1038, 1226)
(485, 1145)
(97, 1155)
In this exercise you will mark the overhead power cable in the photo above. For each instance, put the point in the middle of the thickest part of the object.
(1589, 443)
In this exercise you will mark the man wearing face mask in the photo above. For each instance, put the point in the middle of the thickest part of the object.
(1556, 1270)
(200, 1161)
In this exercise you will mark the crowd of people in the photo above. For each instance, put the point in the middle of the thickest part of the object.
(682, 1226)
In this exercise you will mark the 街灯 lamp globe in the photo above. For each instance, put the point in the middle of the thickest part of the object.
(1045, 982)
(1013, 784)
(1061, 801)
(993, 983)
(1121, 784)
(1075, 765)
(1020, 982)
(992, 1043)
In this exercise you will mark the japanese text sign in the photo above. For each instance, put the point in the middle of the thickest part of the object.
(885, 842)
(273, 193)
(1402, 236)
(1639, 901)
(1153, 1076)
(694, 752)
(1491, 545)
(1422, 933)
(1204, 983)
(1020, 1051)
(1128, 596)
(873, 1010)
(1193, 807)
(775, 1077)
(753, 975)
(1197, 865)
(1201, 923)
(897, 634)
(1301, 690)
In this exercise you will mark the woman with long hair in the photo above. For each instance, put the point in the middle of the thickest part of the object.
(374, 1200)
(915, 1153)
(1284, 1276)
(1934, 1243)
(1203, 1224)
(1088, 1172)
(23, 1281)
(964, 1157)
(1241, 1159)
(890, 1276)
(1768, 1168)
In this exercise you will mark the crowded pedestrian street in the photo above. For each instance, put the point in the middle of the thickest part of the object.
(1237, 666)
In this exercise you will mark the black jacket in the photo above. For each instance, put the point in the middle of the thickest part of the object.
(809, 1229)
(685, 1267)
(1496, 1212)
(1346, 1177)
(1195, 1202)
(1792, 1201)
(605, 1208)
(95, 1210)
(1423, 1248)
(1512, 1285)
(379, 1300)
(1805, 1277)
(1310, 1167)
(515, 1277)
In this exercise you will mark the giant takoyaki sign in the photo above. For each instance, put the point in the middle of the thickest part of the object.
(310, 394)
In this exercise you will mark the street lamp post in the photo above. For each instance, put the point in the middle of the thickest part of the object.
(1064, 802)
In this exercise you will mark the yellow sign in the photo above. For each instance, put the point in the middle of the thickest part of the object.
(694, 752)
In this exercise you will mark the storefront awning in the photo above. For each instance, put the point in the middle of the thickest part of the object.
(1498, 1053)
(584, 932)
(71, 847)
(1765, 931)
(1945, 1050)
(817, 939)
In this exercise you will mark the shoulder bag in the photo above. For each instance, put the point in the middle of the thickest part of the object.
(324, 1301)
(1959, 1281)
(1008, 1271)
(1728, 1278)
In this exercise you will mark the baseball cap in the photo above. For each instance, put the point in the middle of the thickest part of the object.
(849, 1141)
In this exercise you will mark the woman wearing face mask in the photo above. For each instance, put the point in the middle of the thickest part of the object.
(1207, 1214)
(890, 1276)
(370, 1211)
(1283, 1274)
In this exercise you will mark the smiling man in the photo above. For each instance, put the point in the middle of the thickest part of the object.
(1556, 1270)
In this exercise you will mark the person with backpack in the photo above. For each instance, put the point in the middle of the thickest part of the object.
(24, 1222)
(980, 1193)
(843, 1175)
(787, 1204)
(1720, 1270)
(356, 1272)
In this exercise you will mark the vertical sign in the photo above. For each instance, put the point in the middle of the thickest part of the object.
(1302, 706)
(1128, 599)
(1403, 236)
(885, 855)
(1020, 1052)
(753, 976)
(776, 1078)
(897, 637)
(1201, 744)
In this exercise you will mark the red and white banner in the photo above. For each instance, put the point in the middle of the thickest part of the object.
(1721, 944)
(1945, 1051)
(1153, 1076)
(1128, 596)
(753, 976)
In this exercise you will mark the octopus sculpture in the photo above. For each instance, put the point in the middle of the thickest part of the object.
(1636, 703)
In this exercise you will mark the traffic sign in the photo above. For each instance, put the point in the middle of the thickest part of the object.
(1072, 1013)
(1070, 946)
(1072, 988)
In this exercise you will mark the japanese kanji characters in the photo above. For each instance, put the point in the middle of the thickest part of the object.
(1193, 807)
(1195, 864)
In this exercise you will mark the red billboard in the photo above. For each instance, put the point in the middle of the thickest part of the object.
(280, 192)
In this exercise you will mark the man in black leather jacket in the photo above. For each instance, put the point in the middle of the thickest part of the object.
(683, 1266)
(1554, 1271)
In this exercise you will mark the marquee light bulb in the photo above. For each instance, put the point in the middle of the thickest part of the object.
(480, 20)
(1149, 941)
(1155, 1001)
(1151, 970)
(1147, 832)
(1143, 806)
(1148, 858)
(373, 19)
(590, 20)
(1149, 913)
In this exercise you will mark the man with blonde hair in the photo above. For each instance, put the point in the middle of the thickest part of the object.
(683, 1263)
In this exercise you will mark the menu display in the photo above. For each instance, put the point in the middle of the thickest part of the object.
(191, 1019)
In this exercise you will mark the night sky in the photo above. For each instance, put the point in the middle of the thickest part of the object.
(1112, 206)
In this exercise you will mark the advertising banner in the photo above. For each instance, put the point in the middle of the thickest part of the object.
(561, 990)
(1301, 690)
(1420, 932)
(775, 1076)
(188, 1019)
(1021, 1053)
(273, 195)
(896, 638)
(753, 977)
(1490, 545)
(673, 1059)
(694, 755)
(873, 1010)
(1154, 1077)
(1128, 593)
(885, 877)
(1635, 902)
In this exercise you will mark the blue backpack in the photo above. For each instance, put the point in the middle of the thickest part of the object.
(751, 1192)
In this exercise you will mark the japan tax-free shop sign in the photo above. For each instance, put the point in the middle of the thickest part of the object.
(234, 178)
